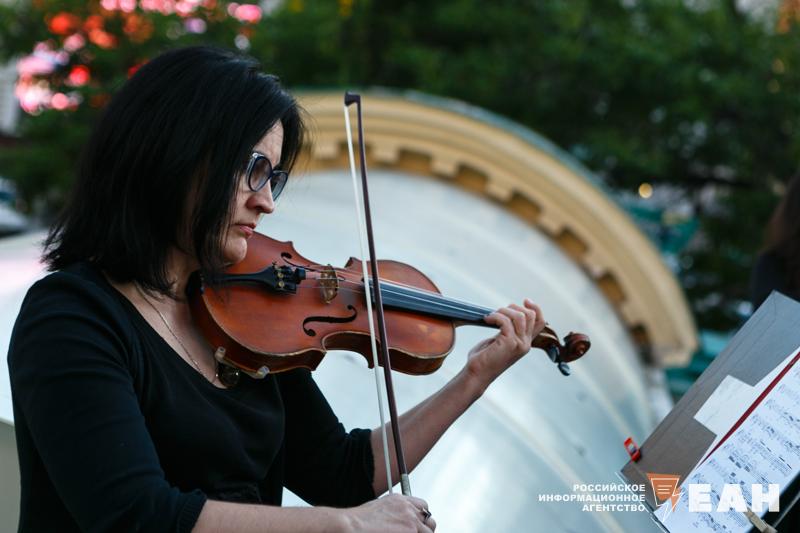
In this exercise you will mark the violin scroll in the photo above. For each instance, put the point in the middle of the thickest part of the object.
(574, 347)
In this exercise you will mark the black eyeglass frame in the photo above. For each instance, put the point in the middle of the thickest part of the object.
(276, 178)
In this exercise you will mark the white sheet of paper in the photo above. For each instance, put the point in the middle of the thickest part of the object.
(730, 400)
(764, 449)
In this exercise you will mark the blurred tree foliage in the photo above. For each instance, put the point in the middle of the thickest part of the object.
(699, 95)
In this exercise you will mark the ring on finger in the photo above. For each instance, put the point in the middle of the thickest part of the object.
(425, 515)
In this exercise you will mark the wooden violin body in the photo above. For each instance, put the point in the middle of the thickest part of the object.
(277, 310)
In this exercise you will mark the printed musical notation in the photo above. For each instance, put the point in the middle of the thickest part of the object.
(764, 449)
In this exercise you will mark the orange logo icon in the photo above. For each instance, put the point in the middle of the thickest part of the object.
(665, 487)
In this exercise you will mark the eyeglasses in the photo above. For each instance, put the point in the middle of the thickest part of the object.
(260, 172)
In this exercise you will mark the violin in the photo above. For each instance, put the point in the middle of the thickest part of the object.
(277, 310)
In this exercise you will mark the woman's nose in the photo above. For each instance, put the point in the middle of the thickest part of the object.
(262, 200)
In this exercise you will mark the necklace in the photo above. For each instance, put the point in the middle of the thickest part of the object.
(175, 336)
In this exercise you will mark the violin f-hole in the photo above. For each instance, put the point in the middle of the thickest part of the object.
(329, 319)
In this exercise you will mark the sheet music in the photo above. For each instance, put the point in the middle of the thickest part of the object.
(764, 449)
(730, 400)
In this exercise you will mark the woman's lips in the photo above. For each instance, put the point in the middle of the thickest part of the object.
(247, 230)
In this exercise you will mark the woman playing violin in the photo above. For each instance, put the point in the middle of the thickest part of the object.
(122, 420)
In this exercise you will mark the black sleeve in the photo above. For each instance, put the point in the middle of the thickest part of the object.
(325, 465)
(72, 384)
(767, 276)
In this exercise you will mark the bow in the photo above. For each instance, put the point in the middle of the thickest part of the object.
(365, 227)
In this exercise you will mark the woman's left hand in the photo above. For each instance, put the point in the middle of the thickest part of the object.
(493, 356)
(423, 425)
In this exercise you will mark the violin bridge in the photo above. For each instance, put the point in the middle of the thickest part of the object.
(329, 283)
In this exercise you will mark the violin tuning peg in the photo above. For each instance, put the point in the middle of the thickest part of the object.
(564, 369)
(553, 353)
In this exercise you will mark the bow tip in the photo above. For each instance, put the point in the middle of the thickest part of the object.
(351, 98)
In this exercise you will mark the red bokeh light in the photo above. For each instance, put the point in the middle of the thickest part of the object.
(103, 39)
(64, 23)
(79, 75)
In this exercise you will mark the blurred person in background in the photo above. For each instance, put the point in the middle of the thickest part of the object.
(777, 266)
(124, 419)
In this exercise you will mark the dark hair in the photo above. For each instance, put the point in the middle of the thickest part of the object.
(783, 233)
(173, 139)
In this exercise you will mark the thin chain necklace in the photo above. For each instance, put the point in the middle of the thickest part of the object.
(175, 336)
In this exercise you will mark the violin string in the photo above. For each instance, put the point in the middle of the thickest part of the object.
(433, 301)
(429, 301)
(412, 288)
(434, 296)
(394, 288)
(436, 301)
(429, 296)
(437, 298)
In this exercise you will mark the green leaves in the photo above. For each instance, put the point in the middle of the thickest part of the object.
(702, 100)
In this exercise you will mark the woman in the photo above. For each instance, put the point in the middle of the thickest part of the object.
(777, 268)
(122, 421)
(778, 265)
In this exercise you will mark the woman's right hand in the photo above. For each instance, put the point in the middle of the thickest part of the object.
(394, 513)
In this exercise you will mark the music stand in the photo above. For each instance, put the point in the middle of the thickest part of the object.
(679, 442)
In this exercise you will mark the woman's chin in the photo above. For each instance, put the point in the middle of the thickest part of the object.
(235, 251)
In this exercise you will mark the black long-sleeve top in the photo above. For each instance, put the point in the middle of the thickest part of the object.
(770, 274)
(116, 432)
